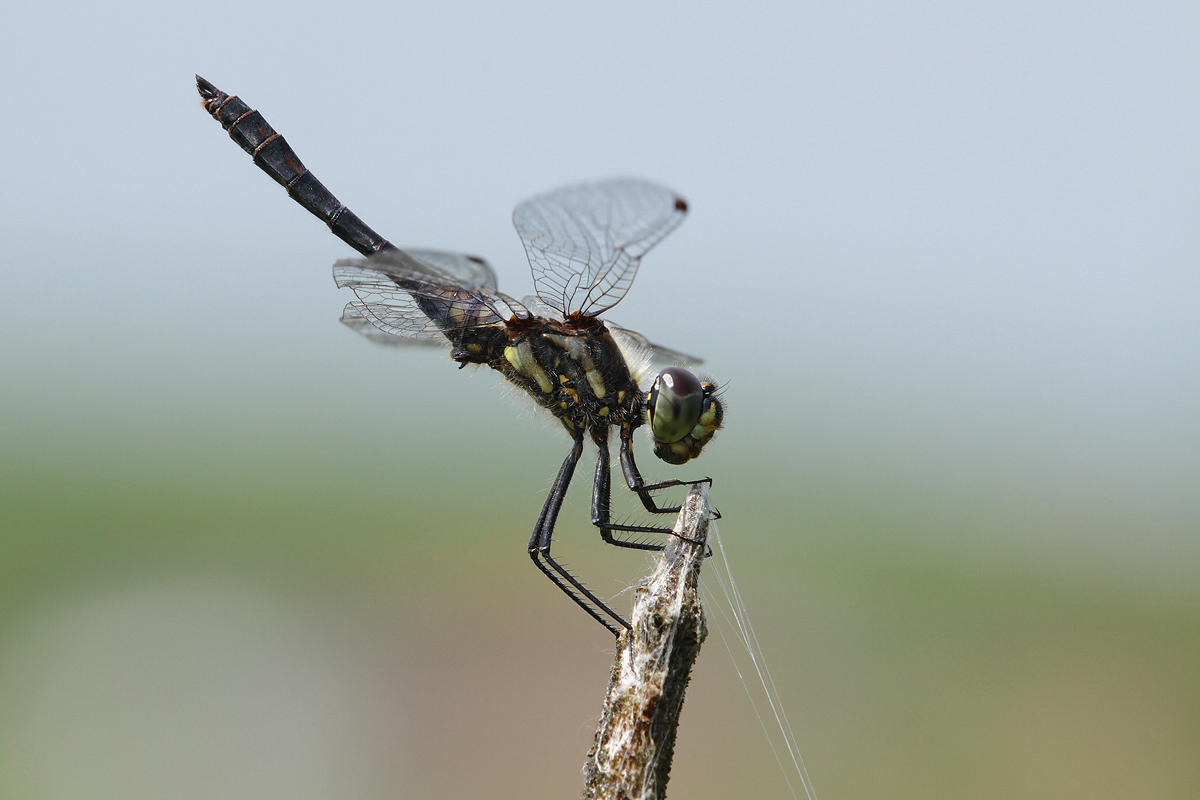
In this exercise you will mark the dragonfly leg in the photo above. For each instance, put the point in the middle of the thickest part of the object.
(601, 509)
(633, 479)
(539, 548)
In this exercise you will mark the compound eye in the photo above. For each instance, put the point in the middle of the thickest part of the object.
(675, 404)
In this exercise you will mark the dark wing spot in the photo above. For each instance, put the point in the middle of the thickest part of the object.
(680, 204)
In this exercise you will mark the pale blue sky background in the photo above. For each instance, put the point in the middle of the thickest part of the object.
(945, 255)
(926, 237)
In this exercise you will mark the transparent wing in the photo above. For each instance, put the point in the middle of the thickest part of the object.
(463, 269)
(657, 351)
(421, 295)
(433, 266)
(366, 321)
(539, 307)
(585, 242)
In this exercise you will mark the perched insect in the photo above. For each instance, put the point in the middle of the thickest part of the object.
(584, 245)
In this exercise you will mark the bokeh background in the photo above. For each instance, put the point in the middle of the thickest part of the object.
(944, 255)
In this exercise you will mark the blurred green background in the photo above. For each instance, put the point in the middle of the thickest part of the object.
(945, 258)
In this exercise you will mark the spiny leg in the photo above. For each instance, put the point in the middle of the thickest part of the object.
(601, 496)
(539, 548)
(633, 478)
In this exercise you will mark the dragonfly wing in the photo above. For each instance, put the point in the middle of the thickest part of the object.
(540, 308)
(379, 324)
(657, 352)
(458, 267)
(424, 298)
(585, 242)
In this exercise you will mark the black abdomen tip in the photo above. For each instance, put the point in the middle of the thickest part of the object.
(206, 89)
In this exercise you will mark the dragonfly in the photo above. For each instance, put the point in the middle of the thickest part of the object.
(584, 244)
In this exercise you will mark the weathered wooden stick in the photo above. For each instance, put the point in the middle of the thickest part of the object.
(635, 740)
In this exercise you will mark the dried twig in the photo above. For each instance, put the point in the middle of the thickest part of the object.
(635, 740)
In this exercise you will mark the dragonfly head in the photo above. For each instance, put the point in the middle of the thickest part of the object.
(683, 413)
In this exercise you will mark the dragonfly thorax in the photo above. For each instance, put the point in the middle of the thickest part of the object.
(578, 374)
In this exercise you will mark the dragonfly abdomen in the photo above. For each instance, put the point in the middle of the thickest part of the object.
(275, 156)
